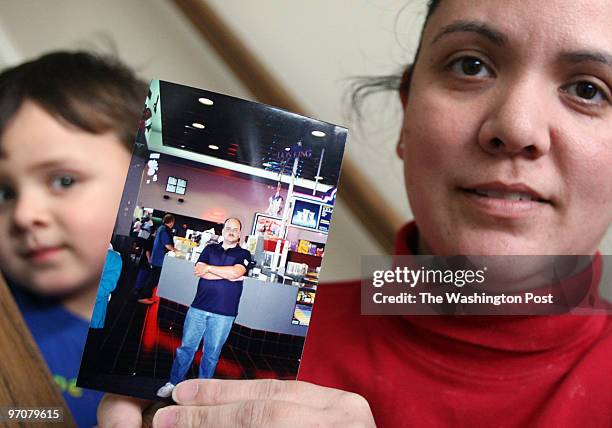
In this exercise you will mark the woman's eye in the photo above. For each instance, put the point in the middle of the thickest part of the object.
(61, 182)
(470, 66)
(586, 90)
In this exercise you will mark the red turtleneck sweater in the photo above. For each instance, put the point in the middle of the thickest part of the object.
(468, 371)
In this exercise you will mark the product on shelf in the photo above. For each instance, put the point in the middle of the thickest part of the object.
(303, 246)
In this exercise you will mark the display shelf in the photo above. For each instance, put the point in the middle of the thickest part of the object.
(312, 261)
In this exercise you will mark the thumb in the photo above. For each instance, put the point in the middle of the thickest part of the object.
(121, 411)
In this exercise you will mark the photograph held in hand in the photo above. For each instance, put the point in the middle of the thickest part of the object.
(211, 290)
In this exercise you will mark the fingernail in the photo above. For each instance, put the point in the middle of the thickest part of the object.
(186, 392)
(165, 418)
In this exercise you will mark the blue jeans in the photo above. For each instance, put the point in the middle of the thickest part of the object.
(214, 328)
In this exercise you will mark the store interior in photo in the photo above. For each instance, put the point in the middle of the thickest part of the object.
(289, 254)
(274, 171)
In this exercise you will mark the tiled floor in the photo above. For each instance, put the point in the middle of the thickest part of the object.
(136, 349)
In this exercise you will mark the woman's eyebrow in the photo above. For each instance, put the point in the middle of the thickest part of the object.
(477, 27)
(576, 57)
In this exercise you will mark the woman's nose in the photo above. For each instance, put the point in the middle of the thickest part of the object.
(518, 123)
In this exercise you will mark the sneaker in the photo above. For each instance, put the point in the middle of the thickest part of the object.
(166, 390)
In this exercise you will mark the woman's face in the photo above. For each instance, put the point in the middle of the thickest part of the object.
(59, 192)
(507, 135)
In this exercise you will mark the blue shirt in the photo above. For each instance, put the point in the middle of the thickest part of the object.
(221, 296)
(163, 238)
(60, 336)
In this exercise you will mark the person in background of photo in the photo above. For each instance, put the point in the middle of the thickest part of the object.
(215, 306)
(108, 283)
(68, 121)
(163, 243)
(144, 263)
(507, 146)
(136, 227)
(145, 228)
(144, 231)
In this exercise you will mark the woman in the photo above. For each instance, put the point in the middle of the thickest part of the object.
(507, 149)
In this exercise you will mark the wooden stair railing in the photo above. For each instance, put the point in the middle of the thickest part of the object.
(379, 219)
(25, 380)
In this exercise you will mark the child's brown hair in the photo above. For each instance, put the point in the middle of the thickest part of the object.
(95, 93)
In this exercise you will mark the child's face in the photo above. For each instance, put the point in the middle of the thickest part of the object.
(59, 192)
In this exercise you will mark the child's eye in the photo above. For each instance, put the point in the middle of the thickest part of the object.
(6, 194)
(587, 92)
(470, 66)
(62, 182)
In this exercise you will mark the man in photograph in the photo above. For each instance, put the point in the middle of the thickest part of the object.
(163, 243)
(220, 268)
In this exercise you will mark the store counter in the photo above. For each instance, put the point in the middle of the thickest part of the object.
(267, 306)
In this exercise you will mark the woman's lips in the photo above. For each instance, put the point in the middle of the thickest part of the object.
(505, 204)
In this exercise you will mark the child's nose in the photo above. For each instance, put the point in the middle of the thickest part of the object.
(30, 210)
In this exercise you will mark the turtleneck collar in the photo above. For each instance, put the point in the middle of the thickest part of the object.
(472, 338)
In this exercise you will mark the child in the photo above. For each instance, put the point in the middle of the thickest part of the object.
(67, 124)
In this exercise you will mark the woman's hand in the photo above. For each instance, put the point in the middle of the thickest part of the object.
(121, 411)
(243, 403)
(262, 403)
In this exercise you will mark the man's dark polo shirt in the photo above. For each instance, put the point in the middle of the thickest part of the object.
(221, 296)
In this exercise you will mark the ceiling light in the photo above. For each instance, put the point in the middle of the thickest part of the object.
(206, 101)
(287, 149)
(197, 125)
(212, 146)
(318, 133)
(182, 146)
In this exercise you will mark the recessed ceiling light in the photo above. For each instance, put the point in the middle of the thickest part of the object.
(197, 125)
(287, 149)
(212, 146)
(206, 101)
(267, 164)
(318, 133)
